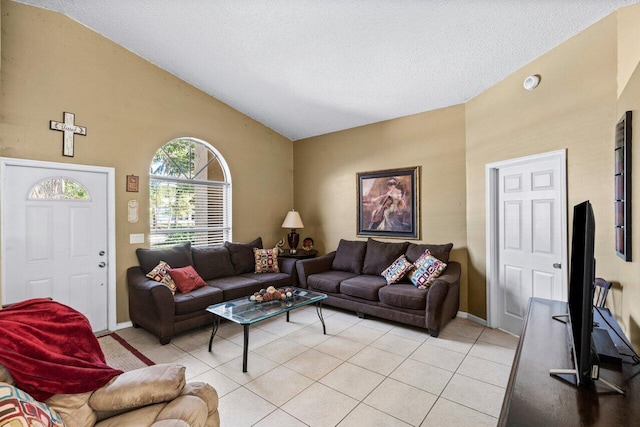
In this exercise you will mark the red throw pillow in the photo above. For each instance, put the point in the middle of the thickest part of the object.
(186, 278)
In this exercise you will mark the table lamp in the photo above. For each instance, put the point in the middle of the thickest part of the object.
(293, 221)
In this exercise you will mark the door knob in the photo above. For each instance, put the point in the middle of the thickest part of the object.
(102, 264)
(557, 265)
(101, 253)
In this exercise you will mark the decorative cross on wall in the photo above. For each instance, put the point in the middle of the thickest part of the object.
(69, 128)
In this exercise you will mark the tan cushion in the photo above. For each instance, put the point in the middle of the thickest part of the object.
(5, 376)
(205, 392)
(73, 408)
(133, 389)
(191, 409)
(140, 417)
(170, 423)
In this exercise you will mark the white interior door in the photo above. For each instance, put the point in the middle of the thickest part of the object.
(55, 238)
(530, 238)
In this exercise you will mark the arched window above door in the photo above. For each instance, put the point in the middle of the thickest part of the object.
(189, 194)
(58, 188)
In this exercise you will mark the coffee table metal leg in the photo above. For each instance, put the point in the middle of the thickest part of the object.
(216, 323)
(287, 316)
(246, 348)
(319, 311)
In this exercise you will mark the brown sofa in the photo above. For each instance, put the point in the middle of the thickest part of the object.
(351, 278)
(228, 271)
(153, 396)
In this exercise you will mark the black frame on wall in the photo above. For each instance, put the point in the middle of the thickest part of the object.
(622, 187)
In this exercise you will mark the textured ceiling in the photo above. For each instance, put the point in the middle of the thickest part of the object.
(310, 67)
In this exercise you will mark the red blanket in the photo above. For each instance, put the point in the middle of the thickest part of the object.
(49, 348)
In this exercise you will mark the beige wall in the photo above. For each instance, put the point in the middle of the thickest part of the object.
(626, 296)
(572, 109)
(326, 167)
(52, 64)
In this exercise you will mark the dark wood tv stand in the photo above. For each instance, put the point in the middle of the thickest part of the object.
(535, 398)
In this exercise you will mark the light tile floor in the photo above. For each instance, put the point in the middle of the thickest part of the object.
(362, 372)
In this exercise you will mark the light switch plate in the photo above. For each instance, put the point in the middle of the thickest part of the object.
(136, 238)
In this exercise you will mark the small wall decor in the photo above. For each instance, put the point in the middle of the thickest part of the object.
(132, 211)
(132, 183)
(70, 129)
(622, 187)
(388, 203)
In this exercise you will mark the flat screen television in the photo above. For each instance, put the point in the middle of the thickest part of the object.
(581, 289)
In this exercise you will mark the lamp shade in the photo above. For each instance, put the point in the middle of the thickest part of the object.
(292, 220)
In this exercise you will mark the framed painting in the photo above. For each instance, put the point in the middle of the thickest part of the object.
(388, 203)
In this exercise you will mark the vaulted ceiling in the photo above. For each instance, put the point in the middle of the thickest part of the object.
(310, 67)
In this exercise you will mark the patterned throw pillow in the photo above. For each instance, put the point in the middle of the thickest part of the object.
(397, 270)
(187, 279)
(160, 273)
(18, 408)
(266, 260)
(427, 270)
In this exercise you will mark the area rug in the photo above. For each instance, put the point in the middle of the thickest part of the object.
(120, 354)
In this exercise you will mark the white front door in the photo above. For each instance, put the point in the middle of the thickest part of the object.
(55, 238)
(529, 237)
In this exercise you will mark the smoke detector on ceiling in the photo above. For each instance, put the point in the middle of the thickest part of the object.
(532, 82)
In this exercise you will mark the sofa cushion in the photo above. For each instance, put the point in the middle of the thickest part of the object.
(176, 256)
(439, 251)
(427, 269)
(140, 387)
(276, 280)
(328, 281)
(266, 260)
(242, 255)
(397, 270)
(197, 299)
(363, 286)
(186, 278)
(236, 286)
(380, 255)
(160, 273)
(404, 296)
(349, 256)
(18, 408)
(212, 262)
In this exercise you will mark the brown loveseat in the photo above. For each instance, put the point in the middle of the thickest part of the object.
(229, 272)
(351, 278)
(153, 396)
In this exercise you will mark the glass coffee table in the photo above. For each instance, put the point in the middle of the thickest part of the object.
(245, 312)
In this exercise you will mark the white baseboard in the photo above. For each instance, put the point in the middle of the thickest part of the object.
(478, 320)
(124, 325)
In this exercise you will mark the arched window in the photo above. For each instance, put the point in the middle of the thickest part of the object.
(189, 194)
(58, 188)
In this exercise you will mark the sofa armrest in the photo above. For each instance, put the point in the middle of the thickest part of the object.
(140, 387)
(307, 267)
(443, 298)
(151, 304)
(288, 267)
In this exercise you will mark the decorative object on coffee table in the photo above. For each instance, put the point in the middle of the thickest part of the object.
(388, 203)
(622, 187)
(293, 221)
